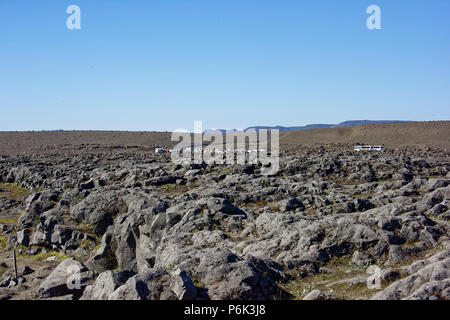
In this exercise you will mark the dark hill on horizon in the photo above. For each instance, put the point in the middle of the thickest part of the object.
(348, 123)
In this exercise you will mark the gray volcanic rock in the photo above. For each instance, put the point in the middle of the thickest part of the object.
(103, 258)
(427, 279)
(182, 286)
(105, 284)
(318, 295)
(147, 228)
(70, 277)
(98, 210)
(141, 286)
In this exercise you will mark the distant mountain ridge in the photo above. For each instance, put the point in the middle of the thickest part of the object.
(348, 123)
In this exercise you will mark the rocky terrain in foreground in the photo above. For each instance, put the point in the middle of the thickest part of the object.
(137, 226)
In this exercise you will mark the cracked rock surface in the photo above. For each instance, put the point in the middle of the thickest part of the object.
(138, 226)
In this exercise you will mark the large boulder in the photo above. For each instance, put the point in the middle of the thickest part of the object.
(23, 237)
(99, 210)
(223, 206)
(149, 285)
(182, 286)
(291, 204)
(159, 181)
(104, 258)
(105, 284)
(428, 279)
(70, 277)
(318, 295)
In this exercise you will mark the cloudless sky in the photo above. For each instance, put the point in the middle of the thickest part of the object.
(161, 64)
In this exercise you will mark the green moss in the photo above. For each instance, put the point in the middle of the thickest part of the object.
(116, 267)
(14, 191)
(21, 247)
(171, 266)
(198, 283)
(342, 268)
(227, 170)
(257, 204)
(240, 249)
(35, 223)
(300, 287)
(274, 206)
(9, 220)
(362, 268)
(2, 242)
(96, 248)
(87, 245)
(86, 228)
(44, 255)
(438, 217)
(174, 188)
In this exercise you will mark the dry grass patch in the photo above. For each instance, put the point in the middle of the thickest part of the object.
(361, 195)
(341, 270)
(198, 283)
(258, 204)
(227, 170)
(2, 243)
(9, 220)
(44, 255)
(173, 188)
(300, 287)
(85, 228)
(14, 191)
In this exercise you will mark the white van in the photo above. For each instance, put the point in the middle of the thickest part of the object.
(368, 148)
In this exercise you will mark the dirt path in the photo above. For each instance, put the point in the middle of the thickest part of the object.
(25, 290)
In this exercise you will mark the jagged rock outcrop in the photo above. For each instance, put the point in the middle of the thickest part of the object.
(146, 228)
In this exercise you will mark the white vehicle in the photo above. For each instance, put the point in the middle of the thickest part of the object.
(368, 148)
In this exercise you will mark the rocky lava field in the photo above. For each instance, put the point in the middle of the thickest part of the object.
(138, 226)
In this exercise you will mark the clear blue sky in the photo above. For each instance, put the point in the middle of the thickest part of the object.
(160, 65)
